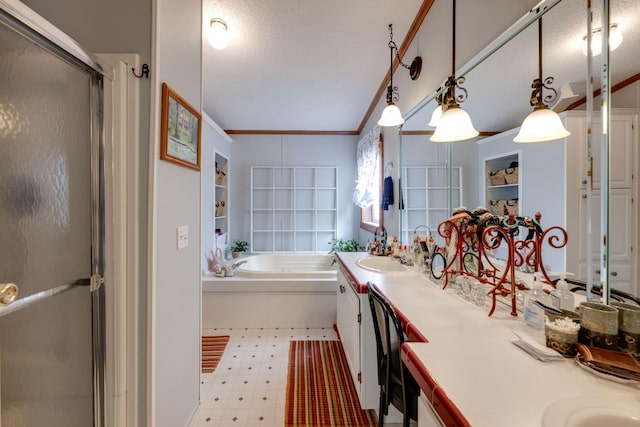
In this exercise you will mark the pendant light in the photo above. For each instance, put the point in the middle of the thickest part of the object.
(455, 124)
(391, 115)
(543, 124)
(437, 112)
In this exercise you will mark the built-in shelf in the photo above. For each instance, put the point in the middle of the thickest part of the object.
(505, 197)
(221, 202)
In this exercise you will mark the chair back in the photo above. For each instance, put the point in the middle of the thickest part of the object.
(389, 336)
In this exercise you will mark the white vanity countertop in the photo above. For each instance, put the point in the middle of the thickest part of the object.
(470, 356)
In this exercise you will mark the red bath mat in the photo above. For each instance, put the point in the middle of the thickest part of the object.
(320, 391)
(212, 349)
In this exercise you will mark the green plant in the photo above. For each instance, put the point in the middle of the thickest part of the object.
(239, 246)
(339, 245)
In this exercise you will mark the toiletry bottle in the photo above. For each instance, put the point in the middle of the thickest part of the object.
(561, 297)
(533, 314)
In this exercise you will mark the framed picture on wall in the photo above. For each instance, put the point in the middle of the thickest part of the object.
(181, 129)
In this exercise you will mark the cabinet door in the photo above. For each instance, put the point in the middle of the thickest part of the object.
(621, 232)
(427, 417)
(348, 306)
(621, 153)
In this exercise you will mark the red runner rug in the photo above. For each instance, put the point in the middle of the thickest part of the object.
(212, 349)
(320, 391)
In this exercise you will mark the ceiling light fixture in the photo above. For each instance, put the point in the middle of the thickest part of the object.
(218, 35)
(455, 124)
(615, 39)
(391, 115)
(542, 124)
(437, 112)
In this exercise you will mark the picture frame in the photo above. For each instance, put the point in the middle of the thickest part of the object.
(181, 130)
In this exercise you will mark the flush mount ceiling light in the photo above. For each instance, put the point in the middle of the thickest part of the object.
(455, 124)
(542, 124)
(615, 39)
(391, 115)
(218, 35)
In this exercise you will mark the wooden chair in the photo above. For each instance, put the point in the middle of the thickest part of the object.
(397, 386)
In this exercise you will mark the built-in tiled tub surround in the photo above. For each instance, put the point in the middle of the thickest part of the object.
(291, 290)
(248, 386)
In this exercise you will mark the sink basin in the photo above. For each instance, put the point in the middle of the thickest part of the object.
(381, 264)
(592, 411)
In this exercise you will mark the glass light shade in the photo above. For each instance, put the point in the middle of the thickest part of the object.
(615, 39)
(391, 116)
(454, 125)
(217, 35)
(435, 116)
(542, 124)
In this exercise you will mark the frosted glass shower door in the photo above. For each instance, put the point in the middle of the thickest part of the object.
(46, 368)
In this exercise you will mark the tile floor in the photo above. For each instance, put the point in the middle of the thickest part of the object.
(248, 386)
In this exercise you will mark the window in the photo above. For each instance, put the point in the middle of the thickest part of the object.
(369, 184)
(371, 216)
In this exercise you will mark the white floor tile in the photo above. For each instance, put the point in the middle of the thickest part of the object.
(248, 388)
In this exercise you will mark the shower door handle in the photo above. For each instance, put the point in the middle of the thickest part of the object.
(8, 293)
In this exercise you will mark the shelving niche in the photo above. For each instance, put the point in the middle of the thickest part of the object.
(502, 183)
(221, 203)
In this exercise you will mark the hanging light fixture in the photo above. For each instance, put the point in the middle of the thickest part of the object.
(437, 112)
(391, 115)
(615, 39)
(455, 124)
(543, 124)
(218, 36)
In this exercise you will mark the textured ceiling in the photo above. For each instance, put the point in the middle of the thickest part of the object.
(300, 64)
(316, 65)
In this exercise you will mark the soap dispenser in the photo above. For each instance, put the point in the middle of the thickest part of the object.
(533, 314)
(561, 297)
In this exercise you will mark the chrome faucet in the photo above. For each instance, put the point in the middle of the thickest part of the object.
(238, 264)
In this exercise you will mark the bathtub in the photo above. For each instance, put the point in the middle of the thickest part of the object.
(272, 291)
(287, 266)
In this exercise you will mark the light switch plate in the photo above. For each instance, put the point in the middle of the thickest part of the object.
(183, 236)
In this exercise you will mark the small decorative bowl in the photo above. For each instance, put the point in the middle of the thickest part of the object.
(562, 341)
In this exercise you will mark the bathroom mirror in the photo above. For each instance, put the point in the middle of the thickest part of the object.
(499, 88)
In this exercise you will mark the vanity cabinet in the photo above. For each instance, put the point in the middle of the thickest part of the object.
(427, 416)
(623, 210)
(355, 327)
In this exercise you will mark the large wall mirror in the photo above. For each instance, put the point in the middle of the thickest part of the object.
(437, 177)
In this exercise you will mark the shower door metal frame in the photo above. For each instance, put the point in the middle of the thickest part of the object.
(33, 27)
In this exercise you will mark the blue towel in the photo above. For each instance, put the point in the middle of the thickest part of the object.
(387, 193)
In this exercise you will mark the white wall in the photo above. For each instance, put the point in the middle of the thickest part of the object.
(292, 150)
(174, 288)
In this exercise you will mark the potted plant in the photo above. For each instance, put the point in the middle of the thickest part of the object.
(239, 247)
(340, 245)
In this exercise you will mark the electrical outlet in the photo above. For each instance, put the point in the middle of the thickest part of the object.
(183, 236)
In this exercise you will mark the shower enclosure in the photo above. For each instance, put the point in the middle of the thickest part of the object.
(51, 231)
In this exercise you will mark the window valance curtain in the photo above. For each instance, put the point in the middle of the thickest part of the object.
(368, 151)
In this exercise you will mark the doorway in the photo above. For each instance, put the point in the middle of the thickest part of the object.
(51, 234)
